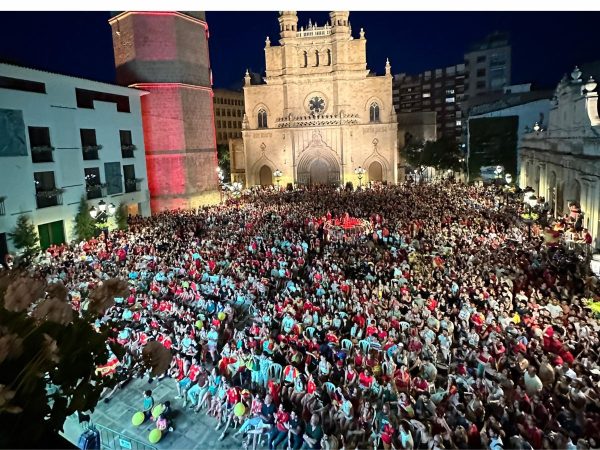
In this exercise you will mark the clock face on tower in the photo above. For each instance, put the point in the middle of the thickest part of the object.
(316, 105)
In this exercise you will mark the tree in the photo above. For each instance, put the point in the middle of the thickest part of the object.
(84, 224)
(442, 154)
(224, 160)
(121, 217)
(25, 237)
(51, 356)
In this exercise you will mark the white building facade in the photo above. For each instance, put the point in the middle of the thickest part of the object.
(562, 162)
(62, 138)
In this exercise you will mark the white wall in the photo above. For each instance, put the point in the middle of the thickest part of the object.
(57, 110)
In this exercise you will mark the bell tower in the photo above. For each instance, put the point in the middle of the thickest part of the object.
(288, 24)
(166, 54)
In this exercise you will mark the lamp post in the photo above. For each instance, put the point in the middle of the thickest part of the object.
(498, 171)
(102, 212)
(221, 177)
(530, 200)
(277, 174)
(360, 172)
(508, 179)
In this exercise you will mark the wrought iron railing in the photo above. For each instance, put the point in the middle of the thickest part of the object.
(48, 198)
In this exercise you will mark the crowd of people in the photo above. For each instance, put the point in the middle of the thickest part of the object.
(444, 326)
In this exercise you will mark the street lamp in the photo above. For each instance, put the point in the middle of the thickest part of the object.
(508, 179)
(102, 212)
(360, 172)
(221, 177)
(498, 170)
(277, 174)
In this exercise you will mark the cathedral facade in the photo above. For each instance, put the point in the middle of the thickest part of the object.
(320, 114)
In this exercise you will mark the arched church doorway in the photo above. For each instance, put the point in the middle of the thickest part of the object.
(319, 172)
(266, 176)
(375, 171)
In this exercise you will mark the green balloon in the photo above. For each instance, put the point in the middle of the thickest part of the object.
(239, 409)
(138, 418)
(199, 324)
(158, 409)
(155, 436)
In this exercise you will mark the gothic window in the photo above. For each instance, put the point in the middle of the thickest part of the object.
(328, 57)
(262, 119)
(374, 112)
(316, 58)
(305, 56)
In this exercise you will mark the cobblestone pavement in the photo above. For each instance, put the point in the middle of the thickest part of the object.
(192, 431)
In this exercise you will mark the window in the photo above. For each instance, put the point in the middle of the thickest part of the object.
(129, 177)
(481, 72)
(305, 59)
(114, 182)
(374, 112)
(218, 124)
(39, 140)
(46, 194)
(22, 85)
(89, 145)
(481, 59)
(127, 146)
(426, 94)
(450, 99)
(480, 85)
(459, 123)
(218, 112)
(449, 91)
(262, 119)
(328, 57)
(229, 124)
(86, 98)
(93, 186)
(316, 58)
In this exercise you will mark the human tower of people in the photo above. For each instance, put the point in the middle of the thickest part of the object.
(443, 327)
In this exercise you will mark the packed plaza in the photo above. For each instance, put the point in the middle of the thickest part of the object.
(428, 320)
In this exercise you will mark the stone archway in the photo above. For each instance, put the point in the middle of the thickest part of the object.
(375, 171)
(265, 175)
(318, 164)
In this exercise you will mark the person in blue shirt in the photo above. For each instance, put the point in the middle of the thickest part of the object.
(148, 404)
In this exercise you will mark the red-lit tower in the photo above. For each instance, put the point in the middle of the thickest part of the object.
(166, 54)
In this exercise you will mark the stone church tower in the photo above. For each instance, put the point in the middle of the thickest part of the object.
(166, 54)
(320, 114)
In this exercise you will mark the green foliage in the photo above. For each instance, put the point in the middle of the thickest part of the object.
(121, 217)
(413, 153)
(442, 154)
(25, 237)
(48, 359)
(84, 224)
(224, 160)
(493, 142)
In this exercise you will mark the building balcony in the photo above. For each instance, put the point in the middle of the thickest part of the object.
(127, 151)
(48, 198)
(90, 152)
(133, 184)
(94, 191)
(42, 154)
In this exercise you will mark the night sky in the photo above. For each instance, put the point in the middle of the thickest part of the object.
(545, 45)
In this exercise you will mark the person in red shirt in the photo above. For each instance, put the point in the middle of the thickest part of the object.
(279, 432)
(365, 379)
